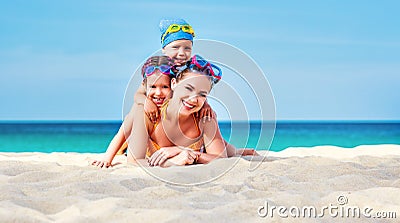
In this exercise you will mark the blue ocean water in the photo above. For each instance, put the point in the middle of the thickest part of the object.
(93, 137)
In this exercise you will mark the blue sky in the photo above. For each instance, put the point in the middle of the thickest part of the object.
(324, 60)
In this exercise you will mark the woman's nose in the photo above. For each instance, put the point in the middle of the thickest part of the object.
(193, 98)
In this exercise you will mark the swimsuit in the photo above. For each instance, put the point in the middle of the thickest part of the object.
(153, 146)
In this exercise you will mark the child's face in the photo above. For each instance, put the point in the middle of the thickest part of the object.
(158, 87)
(179, 50)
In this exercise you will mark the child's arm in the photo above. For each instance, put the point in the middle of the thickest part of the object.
(140, 95)
(117, 142)
(150, 108)
(139, 136)
(112, 149)
(205, 112)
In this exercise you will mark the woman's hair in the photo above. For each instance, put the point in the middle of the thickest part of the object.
(157, 61)
(181, 74)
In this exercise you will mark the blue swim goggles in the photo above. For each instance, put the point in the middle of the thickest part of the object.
(164, 69)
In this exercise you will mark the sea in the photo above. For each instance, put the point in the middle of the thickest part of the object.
(94, 136)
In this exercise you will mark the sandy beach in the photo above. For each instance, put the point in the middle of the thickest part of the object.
(63, 187)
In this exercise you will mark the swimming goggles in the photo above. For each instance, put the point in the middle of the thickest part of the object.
(204, 66)
(164, 69)
(173, 28)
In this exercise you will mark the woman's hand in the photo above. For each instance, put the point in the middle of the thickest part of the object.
(186, 157)
(151, 110)
(161, 155)
(101, 163)
(246, 152)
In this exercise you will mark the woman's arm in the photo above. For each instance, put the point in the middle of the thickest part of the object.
(164, 153)
(215, 147)
(213, 142)
(172, 156)
(185, 157)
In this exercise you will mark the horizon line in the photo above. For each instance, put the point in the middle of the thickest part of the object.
(222, 121)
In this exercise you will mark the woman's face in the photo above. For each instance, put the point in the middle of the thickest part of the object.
(158, 87)
(191, 92)
(179, 50)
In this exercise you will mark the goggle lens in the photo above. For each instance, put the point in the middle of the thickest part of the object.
(210, 69)
(164, 69)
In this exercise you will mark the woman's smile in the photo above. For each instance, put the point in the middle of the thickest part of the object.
(188, 105)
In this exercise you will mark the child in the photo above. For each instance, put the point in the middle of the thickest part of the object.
(176, 42)
(156, 72)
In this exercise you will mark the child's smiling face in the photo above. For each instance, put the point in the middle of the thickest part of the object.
(158, 87)
(179, 50)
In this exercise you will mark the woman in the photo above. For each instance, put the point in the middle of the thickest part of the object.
(179, 138)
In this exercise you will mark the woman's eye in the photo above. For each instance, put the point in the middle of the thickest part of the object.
(203, 95)
(188, 88)
(152, 86)
(166, 86)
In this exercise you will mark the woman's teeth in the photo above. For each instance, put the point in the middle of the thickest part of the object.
(188, 105)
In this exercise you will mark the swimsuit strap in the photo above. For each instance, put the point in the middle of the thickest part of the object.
(163, 110)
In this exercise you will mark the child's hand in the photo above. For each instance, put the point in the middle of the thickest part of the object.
(151, 110)
(101, 163)
(205, 112)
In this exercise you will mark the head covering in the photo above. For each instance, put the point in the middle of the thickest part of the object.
(170, 37)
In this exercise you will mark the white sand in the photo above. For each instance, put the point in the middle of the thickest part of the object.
(62, 187)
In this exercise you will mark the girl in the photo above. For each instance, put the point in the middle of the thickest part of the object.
(156, 72)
